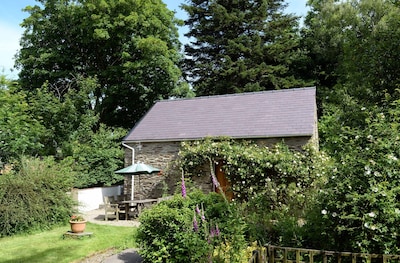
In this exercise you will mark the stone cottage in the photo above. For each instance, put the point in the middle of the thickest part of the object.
(266, 117)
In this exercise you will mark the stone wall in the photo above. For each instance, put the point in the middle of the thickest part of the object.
(159, 155)
(162, 155)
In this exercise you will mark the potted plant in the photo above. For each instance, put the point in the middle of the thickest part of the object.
(78, 224)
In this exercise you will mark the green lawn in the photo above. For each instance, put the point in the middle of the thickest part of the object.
(50, 246)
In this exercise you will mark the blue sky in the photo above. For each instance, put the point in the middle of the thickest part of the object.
(11, 15)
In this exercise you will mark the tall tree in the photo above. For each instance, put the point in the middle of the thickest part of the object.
(131, 46)
(237, 46)
(354, 43)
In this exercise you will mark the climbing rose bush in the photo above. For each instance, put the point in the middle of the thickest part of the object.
(289, 178)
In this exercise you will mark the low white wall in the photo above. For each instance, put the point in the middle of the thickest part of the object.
(92, 198)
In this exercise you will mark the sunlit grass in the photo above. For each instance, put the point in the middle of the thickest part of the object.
(51, 246)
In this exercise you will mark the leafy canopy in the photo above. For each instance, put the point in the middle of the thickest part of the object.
(130, 46)
(354, 42)
(42, 124)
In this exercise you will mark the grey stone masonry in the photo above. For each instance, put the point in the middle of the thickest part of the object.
(159, 155)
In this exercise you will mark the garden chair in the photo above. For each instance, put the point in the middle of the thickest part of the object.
(111, 208)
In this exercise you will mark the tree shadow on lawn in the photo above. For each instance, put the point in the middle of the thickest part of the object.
(56, 254)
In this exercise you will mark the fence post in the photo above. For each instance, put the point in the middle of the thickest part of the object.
(354, 258)
(311, 255)
(285, 254)
(271, 254)
(255, 257)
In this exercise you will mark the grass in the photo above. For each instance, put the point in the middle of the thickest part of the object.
(50, 246)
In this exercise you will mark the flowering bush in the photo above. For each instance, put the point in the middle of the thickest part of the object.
(359, 210)
(77, 218)
(193, 227)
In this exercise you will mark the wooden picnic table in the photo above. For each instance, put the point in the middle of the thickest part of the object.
(138, 204)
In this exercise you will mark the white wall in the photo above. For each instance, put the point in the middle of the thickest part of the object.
(92, 198)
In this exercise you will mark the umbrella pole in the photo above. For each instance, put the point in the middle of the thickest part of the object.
(133, 187)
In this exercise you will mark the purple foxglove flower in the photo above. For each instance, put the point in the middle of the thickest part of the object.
(197, 209)
(212, 232)
(203, 217)
(195, 224)
(183, 187)
(217, 232)
(215, 181)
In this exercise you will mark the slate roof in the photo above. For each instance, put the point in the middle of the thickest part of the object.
(278, 113)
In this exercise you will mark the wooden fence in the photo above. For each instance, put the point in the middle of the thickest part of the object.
(275, 254)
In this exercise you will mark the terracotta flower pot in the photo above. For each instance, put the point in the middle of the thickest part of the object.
(77, 226)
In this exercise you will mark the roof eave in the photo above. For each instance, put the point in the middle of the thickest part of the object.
(202, 138)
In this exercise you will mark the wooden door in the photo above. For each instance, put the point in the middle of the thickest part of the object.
(223, 181)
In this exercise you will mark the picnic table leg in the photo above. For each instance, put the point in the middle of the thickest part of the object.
(139, 208)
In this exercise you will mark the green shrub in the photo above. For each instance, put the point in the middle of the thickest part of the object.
(34, 196)
(168, 234)
(99, 155)
(277, 227)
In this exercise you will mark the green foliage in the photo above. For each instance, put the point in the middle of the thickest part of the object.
(20, 131)
(352, 46)
(63, 115)
(34, 195)
(274, 226)
(353, 42)
(6, 83)
(97, 155)
(240, 46)
(73, 132)
(167, 232)
(130, 46)
(371, 56)
(41, 123)
(322, 38)
(359, 209)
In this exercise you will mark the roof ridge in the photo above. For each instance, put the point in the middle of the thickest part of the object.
(236, 94)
